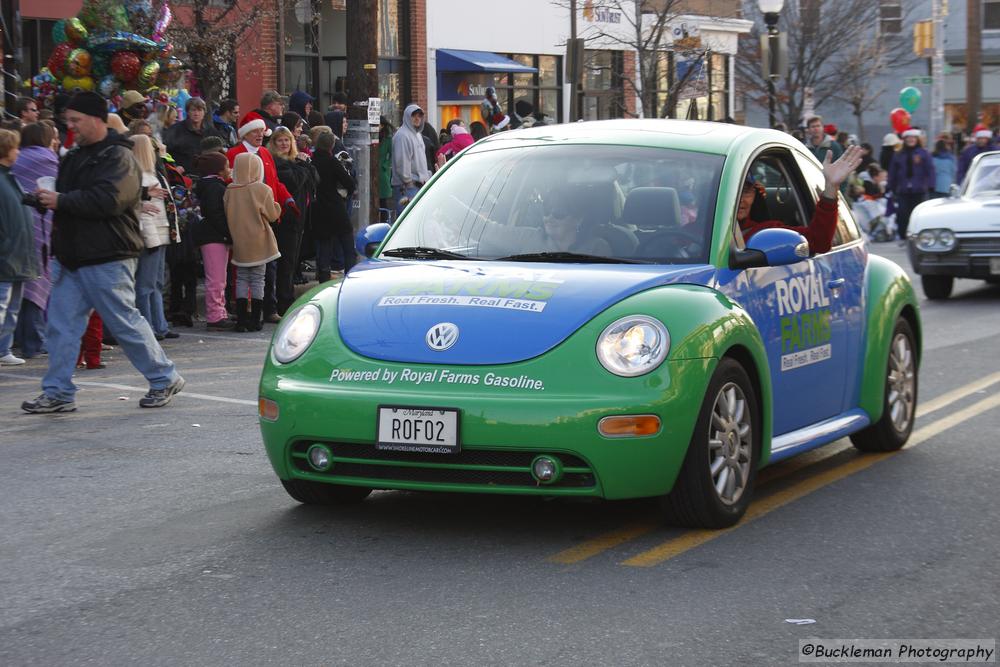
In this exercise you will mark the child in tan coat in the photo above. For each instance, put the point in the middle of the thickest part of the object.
(250, 210)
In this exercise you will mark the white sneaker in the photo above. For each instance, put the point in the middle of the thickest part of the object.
(11, 360)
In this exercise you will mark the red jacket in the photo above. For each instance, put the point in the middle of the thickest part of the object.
(819, 233)
(281, 194)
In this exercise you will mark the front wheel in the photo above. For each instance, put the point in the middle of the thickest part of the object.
(716, 481)
(319, 493)
(899, 402)
(937, 288)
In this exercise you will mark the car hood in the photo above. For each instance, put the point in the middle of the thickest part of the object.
(505, 311)
(961, 214)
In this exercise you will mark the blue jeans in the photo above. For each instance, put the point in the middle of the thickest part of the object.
(30, 330)
(110, 289)
(10, 306)
(149, 288)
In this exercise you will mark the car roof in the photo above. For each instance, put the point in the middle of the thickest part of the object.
(691, 135)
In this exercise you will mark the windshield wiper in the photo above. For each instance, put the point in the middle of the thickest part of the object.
(568, 257)
(423, 252)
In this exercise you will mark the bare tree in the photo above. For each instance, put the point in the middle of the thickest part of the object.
(836, 49)
(645, 28)
(209, 33)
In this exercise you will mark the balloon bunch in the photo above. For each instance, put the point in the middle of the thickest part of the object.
(909, 100)
(112, 46)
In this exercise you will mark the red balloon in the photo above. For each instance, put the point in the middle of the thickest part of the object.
(125, 65)
(58, 59)
(900, 119)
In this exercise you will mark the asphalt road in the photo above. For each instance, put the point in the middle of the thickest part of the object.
(161, 537)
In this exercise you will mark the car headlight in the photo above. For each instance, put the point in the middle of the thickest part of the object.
(936, 240)
(296, 333)
(633, 345)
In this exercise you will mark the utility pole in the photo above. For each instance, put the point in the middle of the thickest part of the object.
(362, 85)
(938, 12)
(973, 62)
(575, 65)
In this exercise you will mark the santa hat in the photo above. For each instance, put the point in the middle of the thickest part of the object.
(911, 132)
(830, 129)
(981, 132)
(250, 122)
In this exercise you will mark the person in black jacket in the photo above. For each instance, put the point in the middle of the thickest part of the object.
(212, 234)
(300, 178)
(96, 244)
(183, 140)
(330, 222)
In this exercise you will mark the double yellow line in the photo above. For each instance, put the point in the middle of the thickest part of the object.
(767, 504)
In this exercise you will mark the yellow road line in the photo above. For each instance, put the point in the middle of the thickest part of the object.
(602, 543)
(957, 394)
(768, 504)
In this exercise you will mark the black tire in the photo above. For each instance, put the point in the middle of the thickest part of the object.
(694, 501)
(885, 435)
(319, 493)
(937, 288)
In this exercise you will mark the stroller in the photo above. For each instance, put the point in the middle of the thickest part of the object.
(876, 218)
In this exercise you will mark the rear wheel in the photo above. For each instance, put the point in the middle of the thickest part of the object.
(937, 287)
(715, 483)
(899, 402)
(318, 493)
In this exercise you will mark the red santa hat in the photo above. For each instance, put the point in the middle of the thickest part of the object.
(981, 132)
(250, 122)
(911, 132)
(830, 129)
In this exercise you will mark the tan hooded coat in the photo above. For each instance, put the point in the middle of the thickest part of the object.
(250, 207)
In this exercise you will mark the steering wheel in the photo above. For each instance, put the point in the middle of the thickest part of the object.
(650, 243)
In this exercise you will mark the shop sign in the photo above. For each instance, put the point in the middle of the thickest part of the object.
(599, 14)
(463, 86)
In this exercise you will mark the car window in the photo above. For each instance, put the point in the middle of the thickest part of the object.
(815, 182)
(782, 200)
(984, 180)
(631, 203)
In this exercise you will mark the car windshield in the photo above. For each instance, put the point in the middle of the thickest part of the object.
(568, 203)
(984, 181)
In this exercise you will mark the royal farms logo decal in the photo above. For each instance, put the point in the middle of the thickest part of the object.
(804, 309)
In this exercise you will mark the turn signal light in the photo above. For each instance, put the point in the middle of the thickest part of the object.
(629, 426)
(267, 409)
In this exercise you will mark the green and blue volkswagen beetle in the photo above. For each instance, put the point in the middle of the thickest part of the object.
(573, 311)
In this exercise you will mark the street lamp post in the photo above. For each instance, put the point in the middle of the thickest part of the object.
(771, 9)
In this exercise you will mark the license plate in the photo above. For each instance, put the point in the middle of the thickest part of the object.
(416, 429)
(994, 265)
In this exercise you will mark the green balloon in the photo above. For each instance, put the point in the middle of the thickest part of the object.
(909, 98)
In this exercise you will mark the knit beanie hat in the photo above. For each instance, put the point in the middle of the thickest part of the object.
(210, 163)
(90, 104)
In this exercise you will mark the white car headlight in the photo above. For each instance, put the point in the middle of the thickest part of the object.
(633, 345)
(936, 240)
(296, 333)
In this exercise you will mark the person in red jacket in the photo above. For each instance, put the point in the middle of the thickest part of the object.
(823, 225)
(252, 132)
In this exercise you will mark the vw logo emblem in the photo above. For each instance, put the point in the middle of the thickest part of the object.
(441, 336)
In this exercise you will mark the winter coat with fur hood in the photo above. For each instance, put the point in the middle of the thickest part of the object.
(250, 208)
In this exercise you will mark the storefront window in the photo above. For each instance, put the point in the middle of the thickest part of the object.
(393, 64)
(390, 33)
(301, 46)
(603, 94)
(548, 71)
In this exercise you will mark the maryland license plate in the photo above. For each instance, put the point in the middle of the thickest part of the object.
(416, 429)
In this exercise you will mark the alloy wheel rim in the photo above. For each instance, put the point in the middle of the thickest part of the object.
(730, 442)
(901, 383)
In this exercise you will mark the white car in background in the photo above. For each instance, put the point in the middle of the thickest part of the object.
(959, 236)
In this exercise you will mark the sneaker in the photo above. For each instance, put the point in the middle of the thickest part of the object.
(169, 334)
(10, 360)
(157, 398)
(44, 404)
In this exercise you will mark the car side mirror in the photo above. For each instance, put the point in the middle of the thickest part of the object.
(777, 246)
(955, 191)
(370, 238)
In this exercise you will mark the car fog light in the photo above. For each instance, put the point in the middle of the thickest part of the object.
(546, 470)
(627, 426)
(320, 457)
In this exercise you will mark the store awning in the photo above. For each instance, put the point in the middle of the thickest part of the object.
(453, 60)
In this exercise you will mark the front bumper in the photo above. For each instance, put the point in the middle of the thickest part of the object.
(502, 429)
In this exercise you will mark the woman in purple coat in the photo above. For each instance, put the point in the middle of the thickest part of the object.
(37, 159)
(911, 177)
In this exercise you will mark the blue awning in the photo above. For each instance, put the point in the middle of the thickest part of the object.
(453, 60)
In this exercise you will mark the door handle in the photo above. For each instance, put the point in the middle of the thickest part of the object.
(836, 284)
